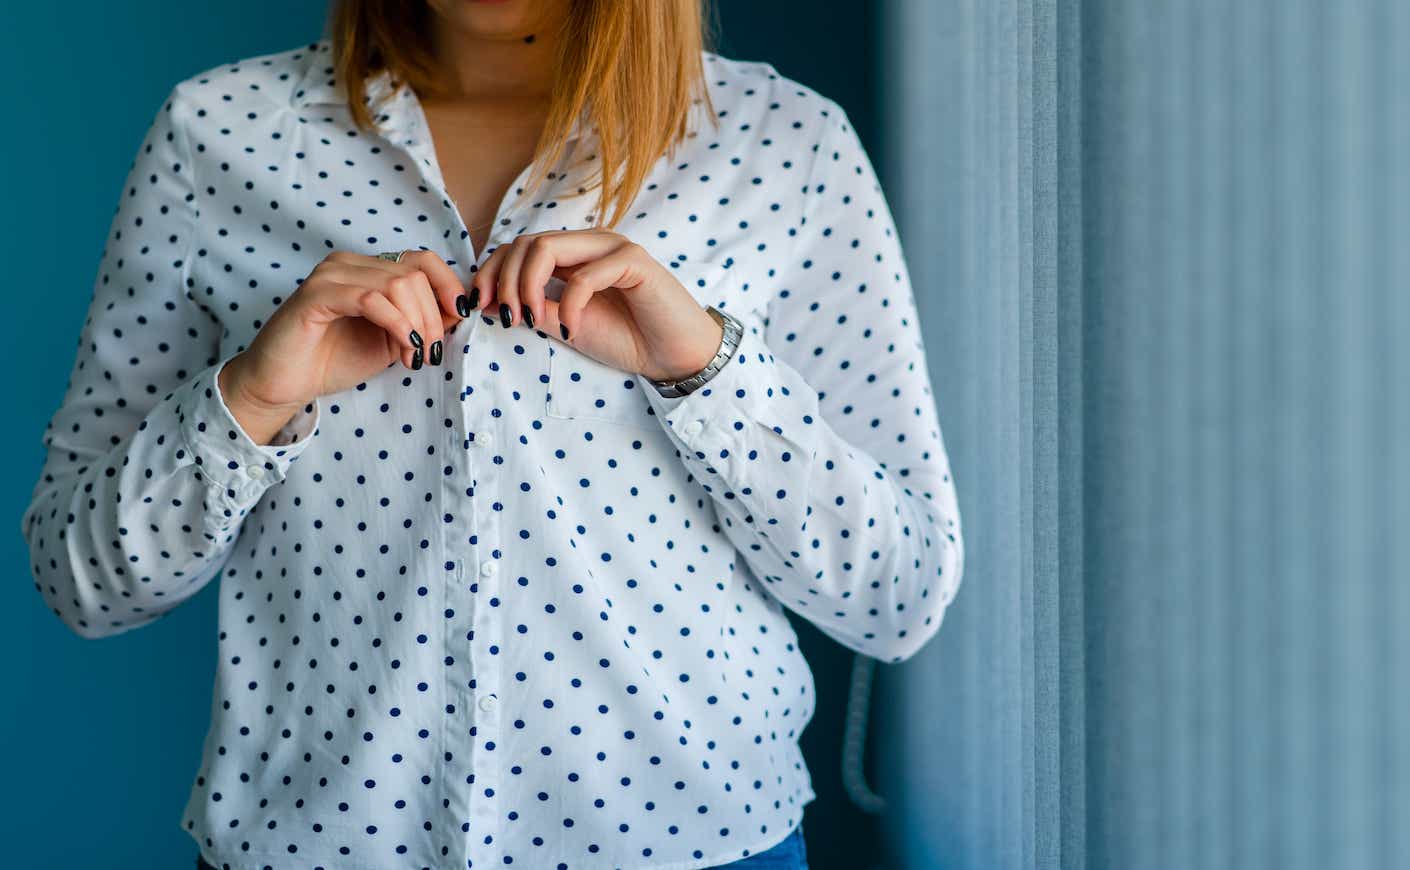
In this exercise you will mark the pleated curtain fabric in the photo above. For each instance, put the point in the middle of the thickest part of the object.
(1161, 257)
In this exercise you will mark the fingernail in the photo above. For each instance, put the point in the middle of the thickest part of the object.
(436, 352)
(563, 330)
(416, 359)
(415, 338)
(462, 305)
(474, 297)
(505, 316)
(528, 316)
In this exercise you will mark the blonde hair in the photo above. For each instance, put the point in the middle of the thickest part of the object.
(629, 68)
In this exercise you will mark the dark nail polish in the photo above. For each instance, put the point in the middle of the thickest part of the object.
(415, 338)
(505, 315)
(474, 297)
(563, 330)
(462, 305)
(436, 352)
(528, 316)
(416, 359)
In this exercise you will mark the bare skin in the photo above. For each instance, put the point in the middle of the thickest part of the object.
(481, 157)
(490, 110)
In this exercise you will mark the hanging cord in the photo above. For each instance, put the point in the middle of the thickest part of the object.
(854, 738)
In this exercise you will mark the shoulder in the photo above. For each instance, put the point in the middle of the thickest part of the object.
(252, 84)
(767, 120)
(758, 106)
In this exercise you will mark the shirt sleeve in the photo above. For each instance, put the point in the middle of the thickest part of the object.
(819, 441)
(147, 475)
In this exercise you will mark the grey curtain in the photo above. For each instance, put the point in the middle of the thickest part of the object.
(1163, 255)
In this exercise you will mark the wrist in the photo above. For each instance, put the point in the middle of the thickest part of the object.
(705, 351)
(729, 330)
(260, 420)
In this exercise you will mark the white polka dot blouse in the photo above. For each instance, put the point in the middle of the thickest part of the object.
(517, 608)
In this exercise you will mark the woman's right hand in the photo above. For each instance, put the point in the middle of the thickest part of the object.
(353, 316)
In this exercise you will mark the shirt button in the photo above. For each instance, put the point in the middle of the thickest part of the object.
(487, 568)
(693, 428)
(484, 439)
(487, 703)
(254, 471)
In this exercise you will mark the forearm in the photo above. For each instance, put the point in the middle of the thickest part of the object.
(870, 554)
(118, 538)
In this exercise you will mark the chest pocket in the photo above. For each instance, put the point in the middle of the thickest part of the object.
(581, 388)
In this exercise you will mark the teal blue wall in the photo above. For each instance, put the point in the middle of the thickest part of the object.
(104, 733)
(1164, 247)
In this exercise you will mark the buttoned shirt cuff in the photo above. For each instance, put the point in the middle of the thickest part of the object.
(237, 468)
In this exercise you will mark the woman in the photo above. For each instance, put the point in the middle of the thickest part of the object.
(508, 473)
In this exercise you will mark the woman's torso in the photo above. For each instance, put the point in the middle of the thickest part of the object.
(489, 615)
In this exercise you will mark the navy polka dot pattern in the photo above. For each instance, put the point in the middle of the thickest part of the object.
(518, 608)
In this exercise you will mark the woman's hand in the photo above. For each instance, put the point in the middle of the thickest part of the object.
(353, 316)
(618, 305)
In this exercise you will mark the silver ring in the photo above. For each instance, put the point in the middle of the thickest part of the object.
(394, 256)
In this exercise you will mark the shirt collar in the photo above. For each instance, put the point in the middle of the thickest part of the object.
(317, 86)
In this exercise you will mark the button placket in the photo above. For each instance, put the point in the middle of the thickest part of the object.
(474, 726)
(462, 499)
(486, 815)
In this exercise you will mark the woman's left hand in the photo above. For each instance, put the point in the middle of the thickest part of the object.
(618, 305)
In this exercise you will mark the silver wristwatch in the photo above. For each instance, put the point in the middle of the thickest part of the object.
(733, 329)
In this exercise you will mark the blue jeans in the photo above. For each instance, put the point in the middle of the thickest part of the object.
(787, 855)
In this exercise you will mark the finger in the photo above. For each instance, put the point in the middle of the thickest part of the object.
(370, 303)
(443, 281)
(377, 308)
(552, 325)
(445, 284)
(433, 316)
(568, 312)
(433, 319)
(614, 270)
(365, 274)
(540, 261)
(374, 261)
(553, 251)
(577, 292)
(573, 247)
(403, 291)
(482, 295)
(507, 285)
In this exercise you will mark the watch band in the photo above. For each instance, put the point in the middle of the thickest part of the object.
(733, 330)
